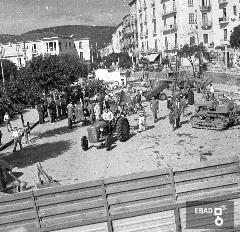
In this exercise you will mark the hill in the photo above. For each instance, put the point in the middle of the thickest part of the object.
(100, 34)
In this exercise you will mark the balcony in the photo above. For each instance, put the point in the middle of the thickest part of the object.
(224, 20)
(224, 42)
(168, 12)
(221, 2)
(206, 25)
(170, 29)
(205, 7)
(153, 4)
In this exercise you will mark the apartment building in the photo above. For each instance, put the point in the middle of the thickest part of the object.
(117, 39)
(126, 30)
(134, 50)
(24, 47)
(167, 25)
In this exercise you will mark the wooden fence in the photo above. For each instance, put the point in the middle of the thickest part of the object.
(148, 201)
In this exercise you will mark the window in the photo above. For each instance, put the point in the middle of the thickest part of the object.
(70, 45)
(142, 46)
(55, 46)
(176, 40)
(224, 13)
(47, 46)
(174, 19)
(192, 40)
(66, 45)
(191, 18)
(165, 23)
(190, 2)
(81, 55)
(154, 13)
(154, 27)
(156, 45)
(147, 45)
(60, 46)
(225, 34)
(235, 10)
(80, 45)
(164, 7)
(205, 38)
(204, 18)
(166, 43)
(34, 48)
(50, 46)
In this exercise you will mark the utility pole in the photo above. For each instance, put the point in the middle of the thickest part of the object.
(2, 51)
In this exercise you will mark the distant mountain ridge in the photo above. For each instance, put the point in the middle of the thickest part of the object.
(101, 35)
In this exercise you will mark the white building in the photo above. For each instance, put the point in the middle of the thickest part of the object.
(83, 47)
(24, 47)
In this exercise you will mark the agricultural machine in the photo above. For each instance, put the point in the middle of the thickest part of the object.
(213, 115)
(102, 131)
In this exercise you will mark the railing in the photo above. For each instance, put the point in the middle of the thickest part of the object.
(170, 28)
(205, 7)
(169, 11)
(224, 19)
(206, 24)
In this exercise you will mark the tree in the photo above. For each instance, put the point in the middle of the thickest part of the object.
(191, 52)
(9, 70)
(57, 71)
(123, 58)
(235, 38)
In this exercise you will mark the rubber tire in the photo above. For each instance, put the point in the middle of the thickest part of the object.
(84, 143)
(162, 97)
(70, 123)
(122, 129)
(108, 143)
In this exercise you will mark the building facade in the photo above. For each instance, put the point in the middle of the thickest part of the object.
(23, 50)
(82, 46)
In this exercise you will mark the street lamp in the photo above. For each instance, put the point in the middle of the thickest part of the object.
(2, 51)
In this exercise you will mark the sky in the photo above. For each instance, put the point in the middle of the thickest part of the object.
(20, 16)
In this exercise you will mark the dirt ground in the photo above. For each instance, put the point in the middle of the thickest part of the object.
(59, 149)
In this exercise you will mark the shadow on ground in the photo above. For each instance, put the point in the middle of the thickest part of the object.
(53, 132)
(37, 153)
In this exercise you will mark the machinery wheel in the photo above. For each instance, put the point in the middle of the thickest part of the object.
(70, 123)
(162, 97)
(122, 129)
(108, 143)
(84, 143)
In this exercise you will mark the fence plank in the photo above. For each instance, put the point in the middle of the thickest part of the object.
(69, 197)
(137, 185)
(71, 208)
(127, 197)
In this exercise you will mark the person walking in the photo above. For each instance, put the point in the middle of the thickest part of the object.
(154, 106)
(27, 131)
(59, 110)
(7, 120)
(52, 111)
(141, 119)
(17, 137)
(41, 112)
(70, 110)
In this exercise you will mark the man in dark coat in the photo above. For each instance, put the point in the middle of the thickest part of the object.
(52, 110)
(40, 110)
(154, 106)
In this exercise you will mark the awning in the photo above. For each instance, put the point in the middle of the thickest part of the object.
(153, 57)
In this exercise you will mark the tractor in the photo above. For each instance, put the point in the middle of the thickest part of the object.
(214, 116)
(102, 132)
